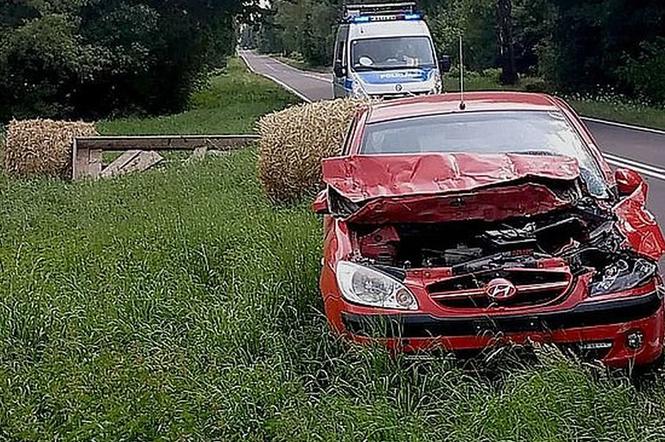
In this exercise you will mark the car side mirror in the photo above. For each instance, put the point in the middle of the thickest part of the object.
(320, 204)
(628, 181)
(444, 63)
(339, 69)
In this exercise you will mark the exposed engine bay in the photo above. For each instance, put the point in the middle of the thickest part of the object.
(584, 237)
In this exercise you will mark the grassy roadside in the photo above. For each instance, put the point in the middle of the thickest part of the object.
(622, 112)
(229, 104)
(179, 305)
(604, 107)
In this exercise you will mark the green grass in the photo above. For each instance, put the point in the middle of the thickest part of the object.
(178, 304)
(621, 111)
(230, 104)
(604, 106)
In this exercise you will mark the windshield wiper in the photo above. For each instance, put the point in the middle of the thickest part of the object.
(545, 153)
(388, 68)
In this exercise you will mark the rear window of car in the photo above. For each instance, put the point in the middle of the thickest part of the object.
(526, 132)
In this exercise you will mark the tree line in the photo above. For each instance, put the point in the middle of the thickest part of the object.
(95, 58)
(91, 58)
(580, 46)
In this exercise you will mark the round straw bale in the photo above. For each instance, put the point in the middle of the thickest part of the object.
(42, 147)
(295, 140)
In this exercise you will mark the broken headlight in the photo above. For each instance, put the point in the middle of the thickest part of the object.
(363, 285)
(621, 275)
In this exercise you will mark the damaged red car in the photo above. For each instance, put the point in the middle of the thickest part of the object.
(499, 223)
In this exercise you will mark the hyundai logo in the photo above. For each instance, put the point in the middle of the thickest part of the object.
(500, 289)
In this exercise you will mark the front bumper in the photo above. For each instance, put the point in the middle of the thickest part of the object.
(608, 322)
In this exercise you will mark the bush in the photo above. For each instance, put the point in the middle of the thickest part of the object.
(535, 84)
(644, 74)
(99, 57)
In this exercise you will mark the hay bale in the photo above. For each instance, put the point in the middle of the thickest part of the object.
(42, 147)
(295, 140)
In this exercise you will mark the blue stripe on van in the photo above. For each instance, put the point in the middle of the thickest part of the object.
(393, 77)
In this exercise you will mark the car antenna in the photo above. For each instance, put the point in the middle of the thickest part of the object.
(462, 104)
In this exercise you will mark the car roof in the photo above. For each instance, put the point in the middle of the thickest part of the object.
(450, 102)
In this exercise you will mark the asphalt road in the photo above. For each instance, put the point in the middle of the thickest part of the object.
(642, 150)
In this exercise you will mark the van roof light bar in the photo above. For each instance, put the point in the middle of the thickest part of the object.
(380, 9)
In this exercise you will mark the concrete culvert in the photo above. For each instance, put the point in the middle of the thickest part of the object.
(295, 140)
(42, 147)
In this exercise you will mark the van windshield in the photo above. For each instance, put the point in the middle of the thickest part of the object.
(391, 53)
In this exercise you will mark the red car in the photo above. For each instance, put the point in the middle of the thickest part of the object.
(464, 229)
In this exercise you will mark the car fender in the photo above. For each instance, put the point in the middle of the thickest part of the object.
(639, 227)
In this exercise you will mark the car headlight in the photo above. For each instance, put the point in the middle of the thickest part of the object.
(438, 84)
(622, 275)
(357, 90)
(363, 285)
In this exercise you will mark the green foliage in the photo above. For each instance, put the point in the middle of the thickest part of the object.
(304, 26)
(96, 57)
(229, 103)
(644, 74)
(604, 43)
(573, 45)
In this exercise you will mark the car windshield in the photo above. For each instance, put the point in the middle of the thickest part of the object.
(391, 53)
(526, 132)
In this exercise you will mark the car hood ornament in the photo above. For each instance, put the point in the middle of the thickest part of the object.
(500, 289)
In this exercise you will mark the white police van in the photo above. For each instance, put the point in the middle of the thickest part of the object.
(385, 50)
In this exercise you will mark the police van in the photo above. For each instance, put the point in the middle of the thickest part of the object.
(385, 50)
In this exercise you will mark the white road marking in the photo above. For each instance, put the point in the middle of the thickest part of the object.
(624, 125)
(645, 169)
(319, 77)
(279, 82)
(634, 163)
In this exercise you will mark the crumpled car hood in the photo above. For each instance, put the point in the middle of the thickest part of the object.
(380, 189)
(364, 177)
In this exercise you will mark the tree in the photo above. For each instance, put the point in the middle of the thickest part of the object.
(91, 58)
(504, 19)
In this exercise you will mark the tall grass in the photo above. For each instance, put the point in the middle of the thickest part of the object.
(178, 304)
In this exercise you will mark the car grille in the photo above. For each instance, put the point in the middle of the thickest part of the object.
(534, 287)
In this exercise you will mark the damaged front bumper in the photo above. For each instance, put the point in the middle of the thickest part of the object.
(616, 331)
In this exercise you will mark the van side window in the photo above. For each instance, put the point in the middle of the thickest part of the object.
(339, 54)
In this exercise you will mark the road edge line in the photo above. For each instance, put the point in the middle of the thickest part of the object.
(624, 125)
(641, 170)
(305, 73)
(279, 82)
(634, 162)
